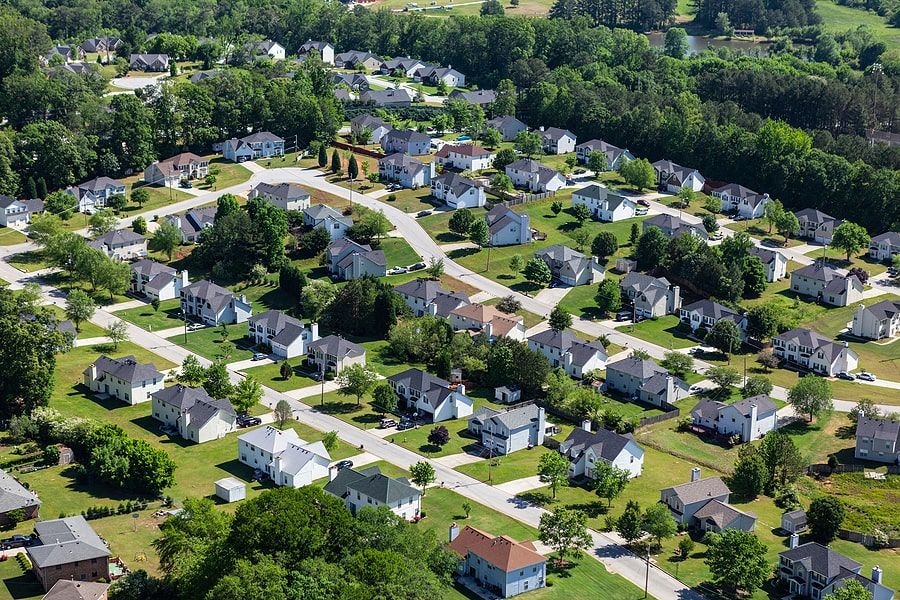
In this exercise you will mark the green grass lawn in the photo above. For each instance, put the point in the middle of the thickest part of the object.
(379, 359)
(159, 196)
(501, 469)
(18, 584)
(838, 259)
(411, 201)
(11, 237)
(154, 320)
(270, 376)
(86, 330)
(662, 332)
(228, 174)
(839, 18)
(29, 262)
(398, 252)
(759, 229)
(267, 296)
(207, 342)
(580, 301)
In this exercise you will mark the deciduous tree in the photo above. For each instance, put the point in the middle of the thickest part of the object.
(553, 469)
(737, 561)
(811, 396)
(564, 530)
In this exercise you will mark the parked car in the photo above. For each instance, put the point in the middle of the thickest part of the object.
(867, 377)
(248, 421)
(417, 267)
(405, 424)
(16, 541)
(396, 270)
(846, 376)
(259, 356)
(387, 424)
(185, 184)
(343, 464)
(640, 211)
(580, 171)
(195, 326)
(423, 213)
(643, 202)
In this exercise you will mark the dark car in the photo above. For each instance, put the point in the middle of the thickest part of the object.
(248, 421)
(185, 184)
(418, 266)
(405, 425)
(846, 376)
(643, 202)
(16, 541)
(423, 213)
(343, 464)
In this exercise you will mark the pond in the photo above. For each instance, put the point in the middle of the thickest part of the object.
(698, 43)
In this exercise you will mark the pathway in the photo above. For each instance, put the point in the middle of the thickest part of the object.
(517, 486)
(457, 460)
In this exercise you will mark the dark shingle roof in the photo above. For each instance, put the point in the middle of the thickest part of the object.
(372, 483)
(606, 444)
(819, 559)
(702, 489)
(126, 368)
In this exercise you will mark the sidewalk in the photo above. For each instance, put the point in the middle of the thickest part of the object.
(517, 486)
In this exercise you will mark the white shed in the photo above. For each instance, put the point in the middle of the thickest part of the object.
(230, 489)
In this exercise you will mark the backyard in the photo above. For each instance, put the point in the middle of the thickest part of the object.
(664, 331)
(207, 342)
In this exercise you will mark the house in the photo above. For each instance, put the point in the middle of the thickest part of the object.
(877, 321)
(878, 440)
(507, 227)
(342, 95)
(368, 129)
(193, 222)
(286, 336)
(66, 53)
(405, 66)
(464, 157)
(405, 170)
(156, 63)
(557, 141)
(651, 297)
(392, 97)
(324, 50)
(93, 195)
(505, 432)
(212, 304)
(565, 350)
(603, 204)
(252, 147)
(508, 126)
(356, 82)
(334, 353)
(824, 283)
(286, 196)
(194, 414)
(775, 263)
(794, 521)
(269, 49)
(482, 98)
(348, 260)
(673, 177)
(324, 216)
(533, 176)
(816, 225)
(15, 496)
(121, 244)
(498, 564)
(885, 247)
(406, 141)
(570, 267)
(457, 191)
(171, 171)
(448, 75)
(486, 319)
(204, 75)
(704, 314)
(288, 460)
(370, 487)
(614, 155)
(67, 589)
(123, 378)
(354, 59)
(703, 504)
(157, 281)
(642, 379)
(422, 296)
(744, 201)
(17, 213)
(814, 571)
(584, 449)
(809, 350)
(101, 45)
(673, 226)
(231, 490)
(76, 68)
(431, 397)
(69, 549)
(749, 419)
(508, 394)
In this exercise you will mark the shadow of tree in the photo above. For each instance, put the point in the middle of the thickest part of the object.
(536, 498)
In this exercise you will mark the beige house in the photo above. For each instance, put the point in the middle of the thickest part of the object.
(820, 281)
(483, 318)
(171, 171)
(333, 353)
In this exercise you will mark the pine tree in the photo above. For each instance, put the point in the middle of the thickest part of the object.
(323, 157)
(352, 168)
(41, 188)
(336, 163)
(30, 188)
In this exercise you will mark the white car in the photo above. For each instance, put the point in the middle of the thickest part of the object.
(866, 377)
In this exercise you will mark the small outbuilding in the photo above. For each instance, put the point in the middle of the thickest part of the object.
(230, 489)
(794, 521)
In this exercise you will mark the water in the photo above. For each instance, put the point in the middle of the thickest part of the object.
(697, 43)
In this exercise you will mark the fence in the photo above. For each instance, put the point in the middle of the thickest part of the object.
(672, 414)
(825, 469)
(867, 540)
(513, 200)
(357, 149)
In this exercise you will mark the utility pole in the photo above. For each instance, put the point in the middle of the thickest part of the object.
(647, 578)
(322, 373)
(877, 70)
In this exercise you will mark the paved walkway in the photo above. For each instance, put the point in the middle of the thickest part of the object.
(458, 246)
(552, 296)
(517, 486)
(456, 460)
(249, 364)
(90, 341)
(481, 297)
(126, 305)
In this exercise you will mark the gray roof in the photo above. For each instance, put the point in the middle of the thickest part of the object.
(337, 346)
(407, 135)
(797, 517)
(434, 389)
(67, 589)
(282, 190)
(117, 237)
(713, 310)
(879, 429)
(458, 184)
(446, 302)
(372, 483)
(379, 97)
(370, 121)
(425, 289)
(518, 417)
(99, 183)
(13, 494)
(811, 339)
(720, 513)
(555, 134)
(892, 237)
(765, 255)
(501, 123)
(181, 396)
(637, 367)
(314, 45)
(702, 489)
(202, 75)
(274, 319)
(582, 352)
(820, 559)
(817, 271)
(151, 268)
(126, 368)
(710, 409)
(270, 439)
(476, 97)
(561, 340)
(204, 410)
(674, 224)
(606, 444)
(64, 541)
(214, 294)
(593, 191)
(319, 212)
(643, 283)
(886, 309)
(814, 216)
(398, 159)
(673, 169)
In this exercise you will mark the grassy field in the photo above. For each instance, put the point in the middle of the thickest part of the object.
(838, 259)
(86, 330)
(398, 252)
(759, 229)
(270, 376)
(154, 320)
(227, 174)
(207, 342)
(29, 262)
(839, 18)
(662, 332)
(11, 237)
(18, 584)
(411, 201)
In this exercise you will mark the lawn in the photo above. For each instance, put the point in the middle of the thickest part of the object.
(580, 301)
(11, 237)
(270, 376)
(663, 332)
(411, 201)
(501, 469)
(29, 262)
(87, 329)
(18, 584)
(758, 228)
(208, 341)
(839, 18)
(379, 359)
(159, 196)
(146, 317)
(451, 284)
(838, 259)
(531, 319)
(398, 252)
(227, 174)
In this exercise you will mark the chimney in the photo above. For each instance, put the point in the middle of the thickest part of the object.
(454, 531)
(795, 540)
(695, 474)
(314, 329)
(461, 389)
(332, 473)
(754, 412)
(877, 574)
(586, 425)
(670, 389)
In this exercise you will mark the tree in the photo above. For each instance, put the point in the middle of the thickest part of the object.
(112, 276)
(560, 319)
(754, 276)
(352, 168)
(581, 236)
(556, 207)
(581, 213)
(709, 223)
(491, 137)
(461, 221)
(192, 372)
(786, 224)
(117, 332)
(651, 249)
(79, 307)
(116, 202)
(102, 222)
(283, 413)
(336, 167)
(491, 7)
(166, 239)
(210, 180)
(756, 385)
(479, 234)
(505, 156)
(528, 143)
(467, 508)
(725, 336)
(564, 530)
(764, 321)
(60, 204)
(713, 204)
(41, 187)
(285, 370)
(314, 241)
(323, 156)
(356, 380)
(676, 42)
(292, 280)
(850, 238)
(658, 522)
(628, 525)
(139, 225)
(330, 440)
(723, 377)
(216, 381)
(605, 244)
(247, 394)
(553, 469)
(635, 234)
(865, 408)
(859, 273)
(784, 463)
(850, 590)
(439, 436)
(597, 162)
(638, 173)
(609, 482)
(723, 24)
(422, 474)
(435, 267)
(825, 516)
(30, 188)
(516, 263)
(537, 272)
(677, 363)
(316, 297)
(737, 561)
(750, 474)
(811, 396)
(608, 296)
(227, 205)
(502, 182)
(384, 398)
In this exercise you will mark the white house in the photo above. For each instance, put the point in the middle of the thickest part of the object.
(157, 281)
(450, 76)
(816, 225)
(121, 244)
(814, 571)
(213, 304)
(464, 157)
(322, 215)
(372, 127)
(674, 177)
(744, 201)
(286, 336)
(333, 353)
(508, 126)
(533, 176)
(348, 260)
(885, 247)
(809, 350)
(651, 297)
(406, 141)
(263, 144)
(505, 432)
(557, 141)
(565, 350)
(486, 319)
(877, 321)
(324, 50)
(270, 49)
(570, 267)
(405, 170)
(123, 378)
(17, 213)
(642, 379)
(92, 195)
(749, 419)
(197, 416)
(286, 196)
(615, 156)
(171, 171)
(774, 262)
(818, 280)
(585, 449)
(703, 504)
(193, 222)
(603, 204)
(498, 563)
(432, 397)
(507, 227)
(427, 297)
(288, 460)
(457, 191)
(370, 487)
(706, 313)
